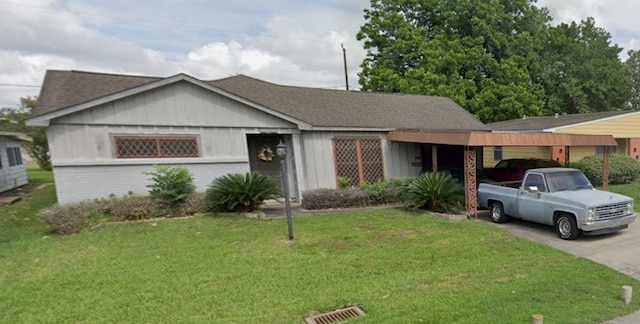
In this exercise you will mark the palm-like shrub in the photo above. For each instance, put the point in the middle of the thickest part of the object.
(434, 191)
(239, 192)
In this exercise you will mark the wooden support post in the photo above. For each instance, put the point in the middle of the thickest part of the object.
(567, 156)
(434, 158)
(605, 168)
(470, 188)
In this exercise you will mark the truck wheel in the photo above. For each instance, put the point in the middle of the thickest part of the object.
(567, 227)
(497, 212)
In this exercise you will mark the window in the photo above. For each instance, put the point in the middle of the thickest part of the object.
(156, 146)
(359, 159)
(497, 153)
(535, 180)
(14, 156)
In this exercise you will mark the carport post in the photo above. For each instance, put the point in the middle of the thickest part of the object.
(470, 188)
(434, 158)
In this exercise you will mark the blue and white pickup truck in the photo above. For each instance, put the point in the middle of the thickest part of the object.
(560, 197)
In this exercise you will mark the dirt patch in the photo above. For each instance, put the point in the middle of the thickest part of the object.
(23, 191)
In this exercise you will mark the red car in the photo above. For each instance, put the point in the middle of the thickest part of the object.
(513, 169)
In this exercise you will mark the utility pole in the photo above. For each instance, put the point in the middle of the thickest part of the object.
(346, 72)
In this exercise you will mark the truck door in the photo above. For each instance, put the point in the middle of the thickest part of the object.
(531, 203)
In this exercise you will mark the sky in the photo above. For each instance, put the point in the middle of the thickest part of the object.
(292, 42)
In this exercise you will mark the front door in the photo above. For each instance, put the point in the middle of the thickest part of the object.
(263, 158)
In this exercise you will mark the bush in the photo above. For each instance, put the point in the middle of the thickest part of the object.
(239, 193)
(343, 182)
(382, 192)
(622, 169)
(73, 218)
(170, 184)
(434, 191)
(334, 198)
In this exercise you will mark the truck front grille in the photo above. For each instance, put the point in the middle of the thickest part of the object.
(610, 211)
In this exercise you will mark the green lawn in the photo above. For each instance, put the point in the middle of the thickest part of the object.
(400, 267)
(631, 190)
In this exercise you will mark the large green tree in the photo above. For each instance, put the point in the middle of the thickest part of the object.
(582, 71)
(632, 67)
(479, 53)
(500, 59)
(38, 148)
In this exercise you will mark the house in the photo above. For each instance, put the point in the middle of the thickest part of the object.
(13, 173)
(622, 125)
(105, 130)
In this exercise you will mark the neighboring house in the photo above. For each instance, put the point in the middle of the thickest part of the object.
(13, 173)
(622, 125)
(105, 130)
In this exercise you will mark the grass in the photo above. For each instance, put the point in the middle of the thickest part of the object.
(631, 190)
(401, 267)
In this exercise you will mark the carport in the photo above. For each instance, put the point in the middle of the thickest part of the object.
(470, 140)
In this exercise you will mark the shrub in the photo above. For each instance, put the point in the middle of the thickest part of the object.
(334, 198)
(239, 193)
(382, 192)
(170, 184)
(343, 182)
(73, 218)
(622, 169)
(434, 191)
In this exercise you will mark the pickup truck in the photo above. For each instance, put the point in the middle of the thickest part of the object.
(560, 197)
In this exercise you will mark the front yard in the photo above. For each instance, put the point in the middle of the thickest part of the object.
(399, 266)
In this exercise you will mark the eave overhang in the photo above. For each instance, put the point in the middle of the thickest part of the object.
(476, 138)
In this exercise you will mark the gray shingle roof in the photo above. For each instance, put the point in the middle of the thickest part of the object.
(318, 107)
(546, 122)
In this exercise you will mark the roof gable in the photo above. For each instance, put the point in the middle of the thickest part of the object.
(65, 92)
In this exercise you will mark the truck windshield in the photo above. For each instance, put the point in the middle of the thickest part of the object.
(567, 180)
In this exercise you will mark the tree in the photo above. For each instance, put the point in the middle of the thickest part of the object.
(582, 71)
(38, 149)
(632, 67)
(499, 59)
(479, 53)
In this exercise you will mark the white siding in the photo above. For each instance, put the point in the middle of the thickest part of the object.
(76, 144)
(79, 183)
(10, 177)
(179, 104)
(83, 152)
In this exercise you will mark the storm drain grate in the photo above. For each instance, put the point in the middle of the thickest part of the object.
(338, 315)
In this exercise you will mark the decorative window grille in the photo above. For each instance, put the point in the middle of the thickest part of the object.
(156, 146)
(359, 159)
(14, 156)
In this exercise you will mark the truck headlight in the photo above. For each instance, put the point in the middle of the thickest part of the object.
(630, 208)
(591, 213)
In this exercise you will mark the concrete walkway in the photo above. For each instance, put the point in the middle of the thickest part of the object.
(619, 251)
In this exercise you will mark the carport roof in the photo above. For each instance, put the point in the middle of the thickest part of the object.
(474, 138)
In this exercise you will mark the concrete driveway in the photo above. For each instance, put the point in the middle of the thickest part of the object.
(619, 251)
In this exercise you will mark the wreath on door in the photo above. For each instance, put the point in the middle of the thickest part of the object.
(265, 153)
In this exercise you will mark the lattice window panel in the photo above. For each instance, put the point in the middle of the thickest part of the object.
(156, 147)
(360, 160)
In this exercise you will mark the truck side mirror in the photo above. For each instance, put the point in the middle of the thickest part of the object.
(533, 189)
